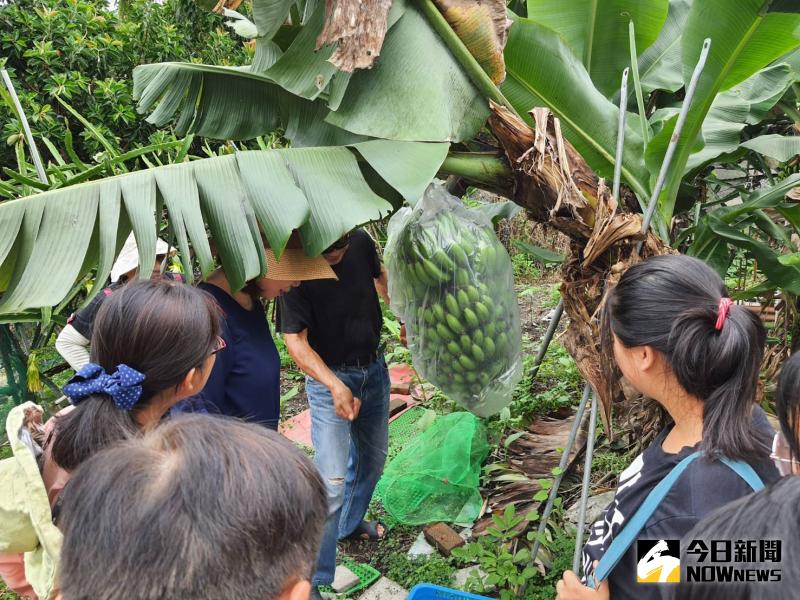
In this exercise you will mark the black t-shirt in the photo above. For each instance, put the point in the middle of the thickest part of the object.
(83, 320)
(343, 316)
(702, 488)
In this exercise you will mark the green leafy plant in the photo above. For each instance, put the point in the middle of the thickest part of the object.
(408, 572)
(500, 555)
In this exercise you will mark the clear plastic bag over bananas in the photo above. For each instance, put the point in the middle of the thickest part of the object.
(452, 282)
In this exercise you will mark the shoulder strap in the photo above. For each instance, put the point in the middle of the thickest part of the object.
(626, 536)
(746, 472)
(631, 529)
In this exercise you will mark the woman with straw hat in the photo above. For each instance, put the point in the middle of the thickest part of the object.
(245, 382)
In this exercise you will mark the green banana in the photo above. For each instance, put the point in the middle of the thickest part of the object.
(463, 299)
(451, 303)
(472, 377)
(462, 277)
(478, 353)
(459, 255)
(471, 318)
(473, 293)
(482, 312)
(477, 337)
(434, 273)
(466, 362)
(489, 349)
(454, 324)
(438, 312)
(454, 348)
(444, 332)
(444, 261)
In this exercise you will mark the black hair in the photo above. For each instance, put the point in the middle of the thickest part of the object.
(201, 507)
(671, 304)
(162, 329)
(788, 402)
(768, 515)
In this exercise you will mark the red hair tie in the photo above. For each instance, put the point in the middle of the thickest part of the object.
(722, 312)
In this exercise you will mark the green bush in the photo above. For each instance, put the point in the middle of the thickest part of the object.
(84, 53)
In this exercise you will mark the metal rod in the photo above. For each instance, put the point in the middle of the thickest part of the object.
(37, 160)
(562, 466)
(587, 469)
(587, 476)
(673, 142)
(555, 319)
(587, 388)
(623, 100)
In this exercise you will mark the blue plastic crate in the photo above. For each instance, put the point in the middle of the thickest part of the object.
(427, 591)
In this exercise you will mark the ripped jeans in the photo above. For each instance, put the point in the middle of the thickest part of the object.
(349, 455)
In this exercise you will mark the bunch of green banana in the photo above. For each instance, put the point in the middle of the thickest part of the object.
(454, 284)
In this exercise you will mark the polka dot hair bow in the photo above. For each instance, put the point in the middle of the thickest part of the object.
(124, 386)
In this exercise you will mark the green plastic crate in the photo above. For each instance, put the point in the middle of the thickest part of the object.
(367, 575)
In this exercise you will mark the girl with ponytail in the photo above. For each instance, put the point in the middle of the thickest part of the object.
(679, 339)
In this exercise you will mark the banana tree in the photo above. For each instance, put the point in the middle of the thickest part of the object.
(371, 94)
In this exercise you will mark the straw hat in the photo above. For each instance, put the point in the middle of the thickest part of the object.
(128, 258)
(295, 265)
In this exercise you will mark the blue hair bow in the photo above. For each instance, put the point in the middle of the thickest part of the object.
(124, 386)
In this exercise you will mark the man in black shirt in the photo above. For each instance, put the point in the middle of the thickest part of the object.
(332, 331)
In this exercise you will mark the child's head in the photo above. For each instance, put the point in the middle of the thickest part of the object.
(200, 507)
(788, 405)
(153, 343)
(668, 324)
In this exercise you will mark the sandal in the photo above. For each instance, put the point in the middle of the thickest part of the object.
(367, 530)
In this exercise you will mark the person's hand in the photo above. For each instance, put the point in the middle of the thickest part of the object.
(403, 336)
(346, 405)
(570, 587)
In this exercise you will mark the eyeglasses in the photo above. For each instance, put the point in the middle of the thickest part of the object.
(221, 345)
(339, 244)
(782, 455)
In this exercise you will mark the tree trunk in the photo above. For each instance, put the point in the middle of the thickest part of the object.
(556, 186)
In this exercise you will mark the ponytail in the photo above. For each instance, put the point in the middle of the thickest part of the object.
(162, 329)
(715, 349)
(721, 367)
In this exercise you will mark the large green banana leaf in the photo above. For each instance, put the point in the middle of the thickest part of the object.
(416, 91)
(597, 32)
(660, 65)
(744, 39)
(781, 148)
(744, 104)
(543, 71)
(50, 240)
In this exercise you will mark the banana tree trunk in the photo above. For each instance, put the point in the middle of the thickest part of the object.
(556, 186)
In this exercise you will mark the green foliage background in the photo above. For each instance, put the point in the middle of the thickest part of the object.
(83, 52)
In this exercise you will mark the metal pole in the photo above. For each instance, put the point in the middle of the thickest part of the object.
(587, 469)
(573, 434)
(623, 90)
(562, 466)
(37, 160)
(587, 476)
(673, 142)
(548, 336)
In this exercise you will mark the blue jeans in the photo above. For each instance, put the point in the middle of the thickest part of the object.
(349, 455)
